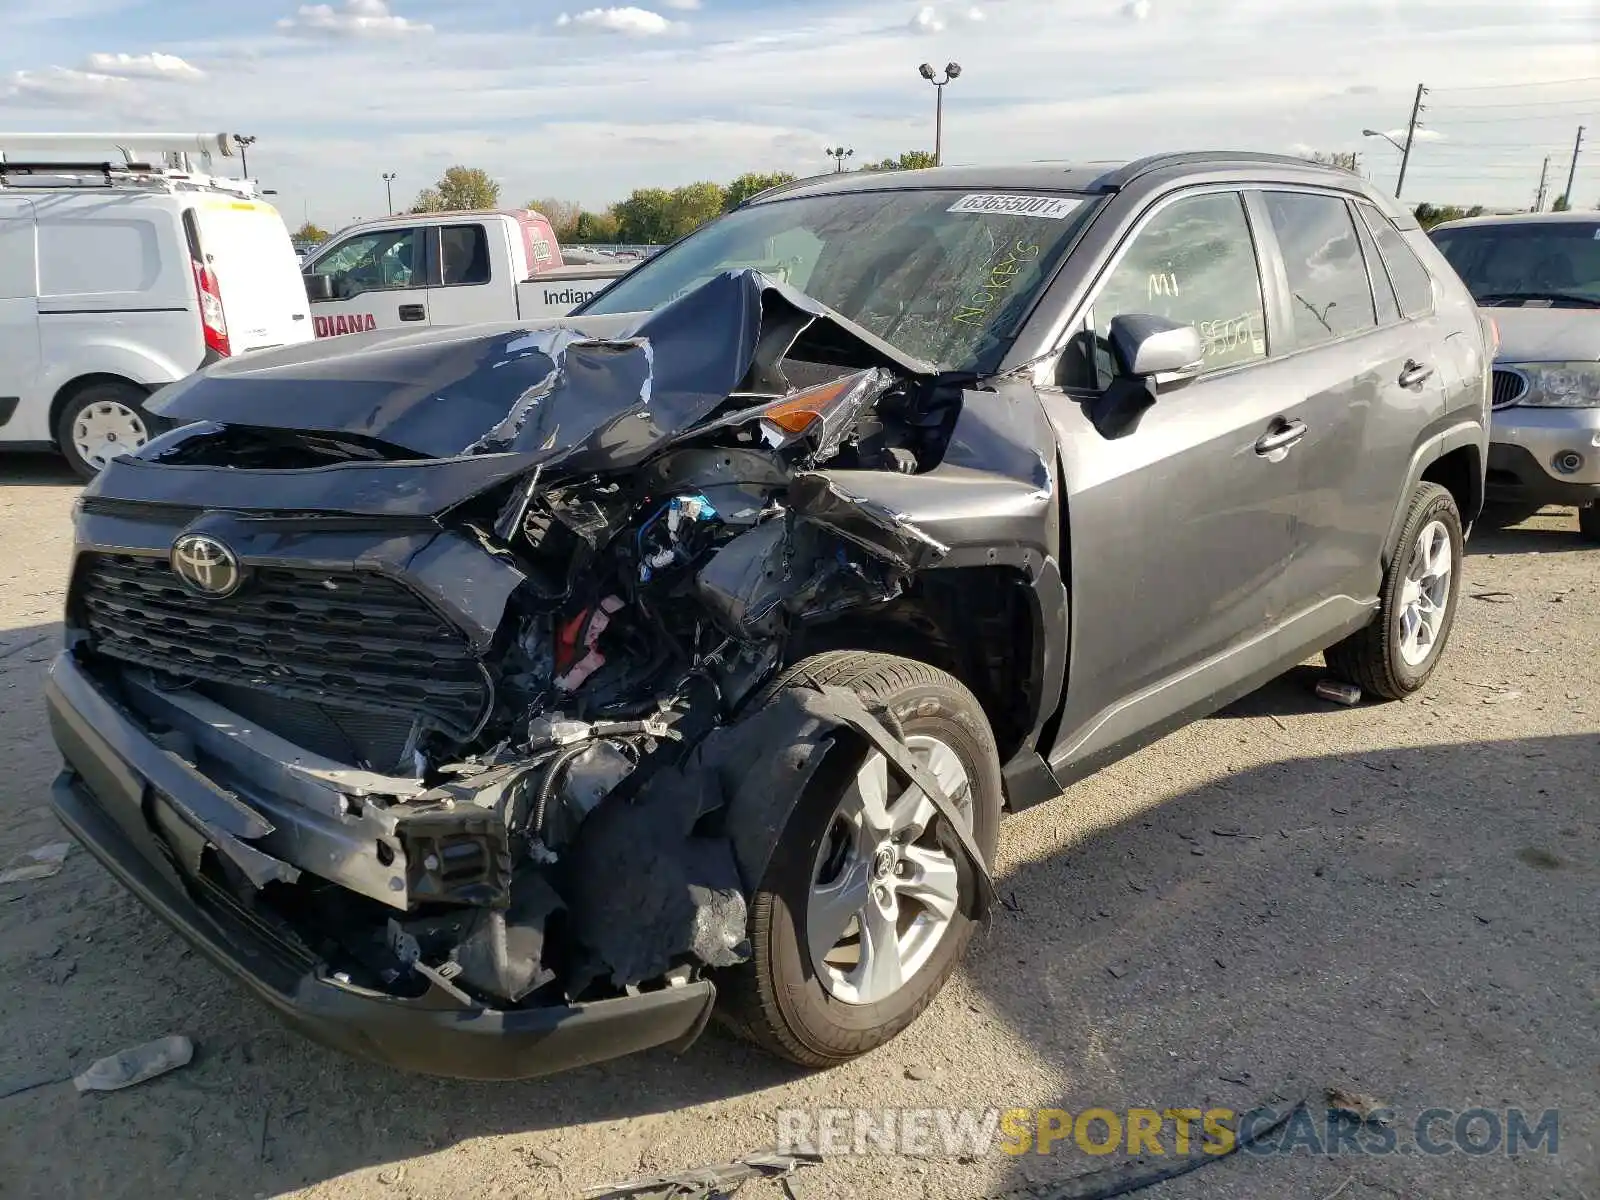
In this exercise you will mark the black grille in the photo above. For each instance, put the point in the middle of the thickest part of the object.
(1509, 387)
(351, 639)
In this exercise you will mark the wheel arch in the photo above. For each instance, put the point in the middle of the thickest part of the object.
(1454, 459)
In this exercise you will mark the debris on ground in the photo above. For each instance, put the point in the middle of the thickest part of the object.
(136, 1065)
(1364, 1109)
(1494, 597)
(1139, 1173)
(706, 1183)
(39, 863)
(1339, 693)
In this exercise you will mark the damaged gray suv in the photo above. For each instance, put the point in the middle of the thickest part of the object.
(495, 700)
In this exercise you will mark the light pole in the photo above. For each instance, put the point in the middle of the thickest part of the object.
(244, 141)
(951, 71)
(388, 189)
(839, 154)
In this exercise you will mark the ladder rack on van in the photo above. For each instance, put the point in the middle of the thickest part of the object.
(172, 175)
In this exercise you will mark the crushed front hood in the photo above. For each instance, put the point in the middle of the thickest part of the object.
(580, 394)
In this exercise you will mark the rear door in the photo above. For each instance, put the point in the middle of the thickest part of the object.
(248, 249)
(21, 410)
(1183, 530)
(1371, 385)
(474, 281)
(379, 280)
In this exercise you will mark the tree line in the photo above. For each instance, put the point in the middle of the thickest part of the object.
(647, 217)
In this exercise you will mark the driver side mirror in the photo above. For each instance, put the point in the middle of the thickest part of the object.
(1146, 347)
(318, 287)
(1151, 353)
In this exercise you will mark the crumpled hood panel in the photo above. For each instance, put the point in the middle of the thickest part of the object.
(595, 393)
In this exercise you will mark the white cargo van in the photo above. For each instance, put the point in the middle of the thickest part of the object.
(119, 277)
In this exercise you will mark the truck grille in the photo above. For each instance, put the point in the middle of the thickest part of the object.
(1509, 387)
(352, 639)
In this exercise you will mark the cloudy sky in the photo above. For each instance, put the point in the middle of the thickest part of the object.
(559, 98)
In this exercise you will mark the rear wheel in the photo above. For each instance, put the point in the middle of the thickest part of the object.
(859, 920)
(1589, 520)
(1394, 656)
(102, 421)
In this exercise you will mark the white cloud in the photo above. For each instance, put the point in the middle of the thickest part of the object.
(145, 66)
(355, 18)
(57, 86)
(931, 18)
(635, 22)
(684, 5)
(1136, 10)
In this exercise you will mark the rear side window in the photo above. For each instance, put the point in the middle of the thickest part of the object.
(98, 255)
(1328, 285)
(1412, 283)
(1194, 263)
(1382, 289)
(463, 255)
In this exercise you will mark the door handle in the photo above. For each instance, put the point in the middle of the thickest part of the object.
(413, 312)
(1281, 436)
(1415, 374)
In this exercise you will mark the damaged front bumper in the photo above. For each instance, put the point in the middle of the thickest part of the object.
(149, 816)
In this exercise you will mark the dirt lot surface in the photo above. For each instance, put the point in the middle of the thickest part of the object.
(1399, 900)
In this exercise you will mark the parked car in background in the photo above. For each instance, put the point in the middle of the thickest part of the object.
(116, 280)
(1538, 276)
(457, 268)
(495, 700)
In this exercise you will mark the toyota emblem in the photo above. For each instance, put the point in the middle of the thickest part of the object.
(206, 566)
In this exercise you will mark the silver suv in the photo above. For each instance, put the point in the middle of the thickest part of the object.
(1539, 273)
(497, 699)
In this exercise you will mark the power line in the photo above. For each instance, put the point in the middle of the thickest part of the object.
(1594, 106)
(1502, 87)
(1522, 104)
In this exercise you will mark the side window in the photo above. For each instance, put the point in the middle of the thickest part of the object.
(1411, 280)
(1194, 263)
(384, 260)
(1328, 286)
(1382, 288)
(463, 255)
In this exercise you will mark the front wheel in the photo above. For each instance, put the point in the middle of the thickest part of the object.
(1395, 655)
(859, 920)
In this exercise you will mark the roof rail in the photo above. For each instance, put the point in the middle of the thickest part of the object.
(1119, 178)
(778, 189)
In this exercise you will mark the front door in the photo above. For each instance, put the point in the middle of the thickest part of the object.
(379, 280)
(1182, 530)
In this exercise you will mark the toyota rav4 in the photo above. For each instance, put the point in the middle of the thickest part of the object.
(492, 700)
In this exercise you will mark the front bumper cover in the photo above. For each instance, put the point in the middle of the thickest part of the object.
(128, 800)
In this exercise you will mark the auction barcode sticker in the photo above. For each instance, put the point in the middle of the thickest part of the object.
(1051, 207)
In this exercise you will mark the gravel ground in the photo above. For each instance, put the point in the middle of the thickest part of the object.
(1398, 900)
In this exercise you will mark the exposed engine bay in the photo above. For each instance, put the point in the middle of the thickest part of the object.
(494, 671)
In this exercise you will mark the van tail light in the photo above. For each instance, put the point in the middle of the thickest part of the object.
(212, 318)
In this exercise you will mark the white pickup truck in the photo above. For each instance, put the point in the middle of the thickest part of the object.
(455, 268)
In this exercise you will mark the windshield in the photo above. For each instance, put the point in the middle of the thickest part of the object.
(1535, 260)
(940, 275)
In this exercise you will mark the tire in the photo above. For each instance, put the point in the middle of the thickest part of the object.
(1589, 520)
(1379, 659)
(113, 407)
(780, 1000)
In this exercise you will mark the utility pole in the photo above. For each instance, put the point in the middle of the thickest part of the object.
(1572, 171)
(951, 71)
(1411, 133)
(1544, 171)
